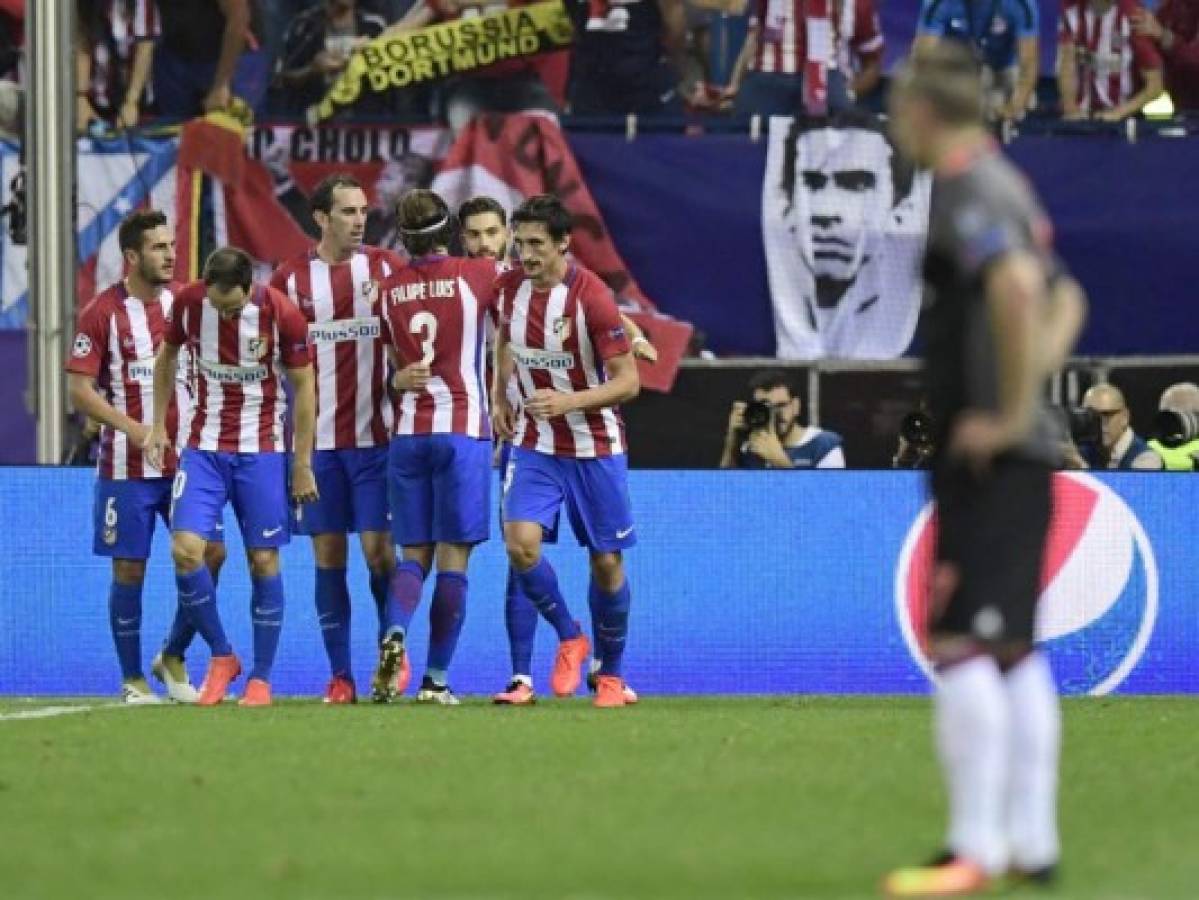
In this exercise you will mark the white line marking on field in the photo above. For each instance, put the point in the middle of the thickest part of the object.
(49, 712)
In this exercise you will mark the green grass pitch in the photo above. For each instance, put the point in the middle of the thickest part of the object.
(675, 798)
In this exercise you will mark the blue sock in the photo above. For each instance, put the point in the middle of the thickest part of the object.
(266, 615)
(540, 585)
(333, 613)
(379, 587)
(197, 599)
(182, 632)
(125, 618)
(403, 596)
(446, 615)
(520, 616)
(610, 619)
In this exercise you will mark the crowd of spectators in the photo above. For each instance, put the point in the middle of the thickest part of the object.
(176, 59)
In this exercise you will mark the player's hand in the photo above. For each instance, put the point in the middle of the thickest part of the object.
(85, 114)
(139, 434)
(303, 483)
(643, 349)
(1145, 24)
(978, 438)
(549, 404)
(218, 98)
(765, 443)
(155, 446)
(412, 378)
(737, 417)
(128, 115)
(503, 418)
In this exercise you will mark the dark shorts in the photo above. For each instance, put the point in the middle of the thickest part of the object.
(991, 534)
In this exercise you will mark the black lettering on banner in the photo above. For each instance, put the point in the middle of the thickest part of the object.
(399, 143)
(326, 143)
(354, 150)
(301, 145)
(264, 139)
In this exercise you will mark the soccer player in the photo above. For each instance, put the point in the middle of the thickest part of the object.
(1001, 316)
(335, 287)
(561, 336)
(485, 234)
(439, 467)
(110, 377)
(239, 335)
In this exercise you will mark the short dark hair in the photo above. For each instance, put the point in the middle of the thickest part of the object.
(769, 379)
(228, 268)
(547, 210)
(425, 222)
(135, 225)
(903, 174)
(322, 198)
(476, 206)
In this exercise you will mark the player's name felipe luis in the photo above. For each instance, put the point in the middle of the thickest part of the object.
(448, 48)
(437, 289)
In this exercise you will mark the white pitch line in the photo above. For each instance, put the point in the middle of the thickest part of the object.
(49, 712)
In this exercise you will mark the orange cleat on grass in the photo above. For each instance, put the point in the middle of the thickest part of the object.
(567, 674)
(340, 691)
(221, 672)
(258, 693)
(403, 676)
(955, 878)
(610, 693)
(517, 693)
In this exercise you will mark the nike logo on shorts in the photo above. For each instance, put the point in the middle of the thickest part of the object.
(621, 535)
(121, 621)
(271, 532)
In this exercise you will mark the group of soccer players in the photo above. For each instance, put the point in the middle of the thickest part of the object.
(389, 435)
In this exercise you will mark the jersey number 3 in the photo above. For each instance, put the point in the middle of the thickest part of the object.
(424, 324)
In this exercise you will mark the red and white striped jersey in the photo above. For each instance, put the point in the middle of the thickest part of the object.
(240, 403)
(782, 34)
(559, 340)
(435, 309)
(1108, 56)
(122, 24)
(115, 343)
(340, 303)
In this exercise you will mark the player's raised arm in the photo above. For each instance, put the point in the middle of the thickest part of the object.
(166, 365)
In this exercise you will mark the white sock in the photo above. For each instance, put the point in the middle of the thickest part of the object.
(1036, 738)
(971, 713)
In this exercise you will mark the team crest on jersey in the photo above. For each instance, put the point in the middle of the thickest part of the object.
(256, 347)
(370, 291)
(562, 329)
(82, 346)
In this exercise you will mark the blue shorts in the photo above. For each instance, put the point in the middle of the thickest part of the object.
(595, 491)
(352, 485)
(124, 515)
(548, 535)
(439, 486)
(256, 483)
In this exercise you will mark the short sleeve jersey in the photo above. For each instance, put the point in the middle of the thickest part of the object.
(992, 27)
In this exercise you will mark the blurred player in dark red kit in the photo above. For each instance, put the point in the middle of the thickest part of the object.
(1001, 315)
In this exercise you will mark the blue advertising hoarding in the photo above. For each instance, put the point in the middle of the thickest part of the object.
(743, 582)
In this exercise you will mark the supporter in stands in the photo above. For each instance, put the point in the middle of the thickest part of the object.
(766, 433)
(316, 49)
(1120, 447)
(1181, 455)
(1105, 70)
(514, 85)
(209, 53)
(1175, 30)
(769, 76)
(1004, 36)
(619, 64)
(114, 49)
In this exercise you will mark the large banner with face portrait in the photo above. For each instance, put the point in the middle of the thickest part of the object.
(843, 222)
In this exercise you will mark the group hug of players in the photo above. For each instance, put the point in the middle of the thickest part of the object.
(396, 398)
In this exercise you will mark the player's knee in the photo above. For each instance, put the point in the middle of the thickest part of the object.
(523, 555)
(330, 551)
(214, 556)
(128, 571)
(264, 563)
(608, 571)
(187, 552)
(379, 555)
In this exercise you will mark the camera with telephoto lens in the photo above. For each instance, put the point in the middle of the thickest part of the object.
(1174, 429)
(1085, 426)
(758, 415)
(916, 441)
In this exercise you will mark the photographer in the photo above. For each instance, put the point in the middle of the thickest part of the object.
(765, 432)
(1112, 443)
(915, 447)
(1176, 427)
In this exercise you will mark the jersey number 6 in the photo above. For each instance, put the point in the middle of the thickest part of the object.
(424, 324)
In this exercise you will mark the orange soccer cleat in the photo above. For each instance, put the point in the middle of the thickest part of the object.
(340, 690)
(954, 877)
(517, 693)
(221, 672)
(258, 693)
(564, 680)
(609, 693)
(403, 676)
